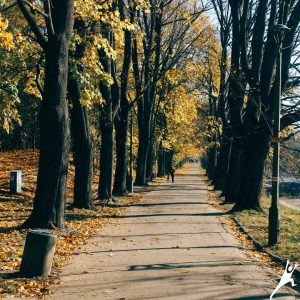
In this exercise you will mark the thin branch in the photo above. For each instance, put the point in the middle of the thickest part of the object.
(48, 18)
(34, 8)
(33, 25)
(8, 7)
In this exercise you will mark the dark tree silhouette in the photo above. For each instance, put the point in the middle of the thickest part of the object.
(50, 197)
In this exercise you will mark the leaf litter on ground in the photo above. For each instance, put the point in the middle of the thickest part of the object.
(256, 224)
(15, 209)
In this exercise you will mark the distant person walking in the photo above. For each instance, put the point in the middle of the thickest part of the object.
(171, 173)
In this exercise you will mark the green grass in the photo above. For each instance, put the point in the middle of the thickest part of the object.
(256, 224)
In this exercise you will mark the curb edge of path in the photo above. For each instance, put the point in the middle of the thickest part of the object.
(260, 247)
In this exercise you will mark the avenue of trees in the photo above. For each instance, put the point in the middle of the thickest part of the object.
(75, 75)
(242, 109)
(185, 77)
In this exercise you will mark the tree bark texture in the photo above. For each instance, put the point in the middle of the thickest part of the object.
(108, 111)
(50, 197)
(83, 149)
(122, 118)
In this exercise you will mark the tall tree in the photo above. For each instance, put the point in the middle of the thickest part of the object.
(235, 102)
(111, 95)
(222, 10)
(122, 117)
(50, 197)
(259, 73)
(80, 129)
(168, 38)
(146, 104)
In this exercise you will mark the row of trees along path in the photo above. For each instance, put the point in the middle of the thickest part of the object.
(93, 64)
(242, 109)
(74, 71)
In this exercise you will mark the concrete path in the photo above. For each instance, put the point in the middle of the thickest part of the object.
(293, 203)
(170, 246)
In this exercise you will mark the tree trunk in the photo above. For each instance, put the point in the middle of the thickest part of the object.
(235, 171)
(212, 162)
(83, 154)
(50, 198)
(222, 167)
(107, 142)
(106, 159)
(235, 100)
(121, 127)
(144, 118)
(150, 162)
(160, 171)
(257, 148)
(145, 108)
(111, 96)
(151, 77)
(143, 148)
(121, 120)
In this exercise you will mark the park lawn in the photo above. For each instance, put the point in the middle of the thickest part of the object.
(15, 209)
(256, 224)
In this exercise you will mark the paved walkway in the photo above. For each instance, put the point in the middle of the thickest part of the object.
(170, 246)
(291, 203)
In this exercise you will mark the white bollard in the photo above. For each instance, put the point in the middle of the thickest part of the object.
(16, 181)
